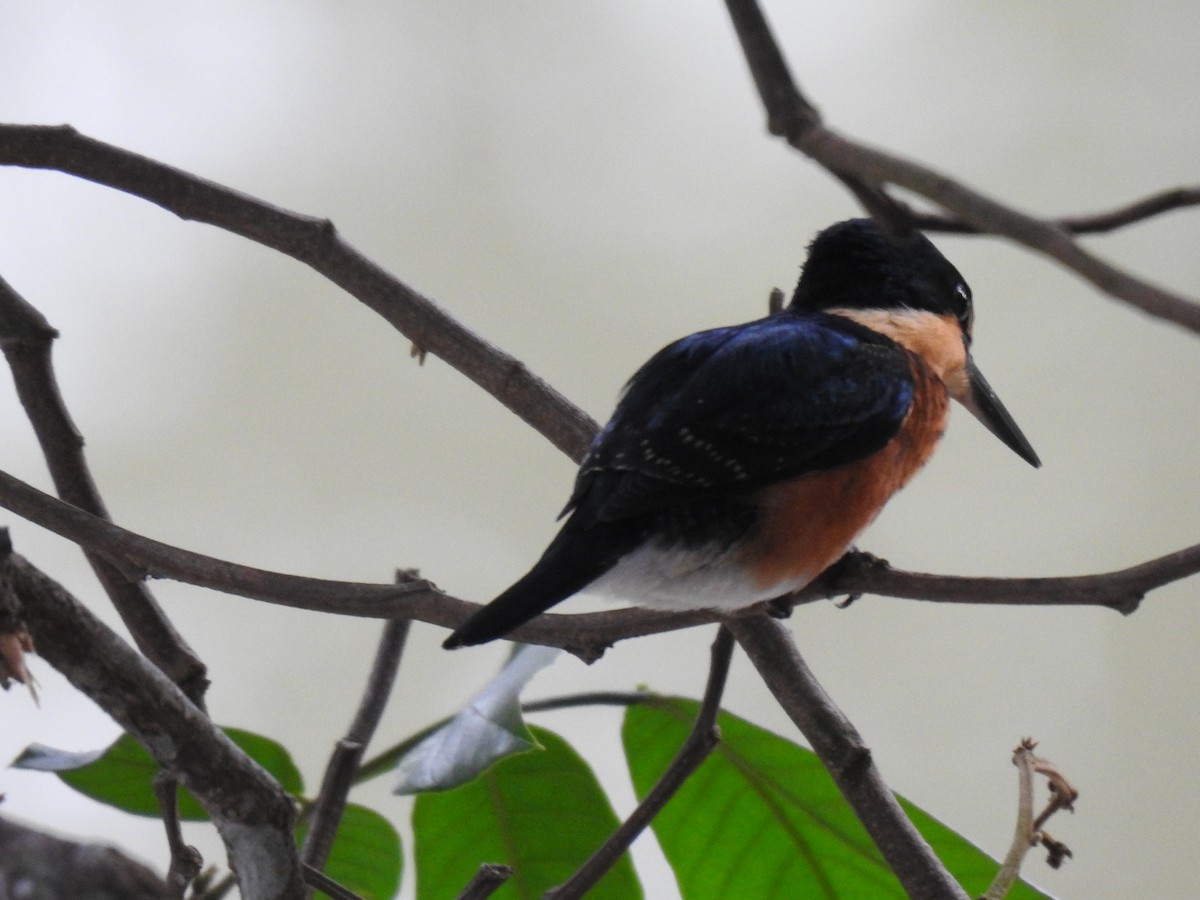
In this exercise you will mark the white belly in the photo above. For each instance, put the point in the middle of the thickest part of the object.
(685, 579)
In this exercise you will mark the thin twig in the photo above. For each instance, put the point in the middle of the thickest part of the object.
(791, 115)
(347, 754)
(589, 698)
(1091, 223)
(489, 879)
(1062, 796)
(771, 649)
(186, 860)
(699, 744)
(1028, 833)
(1022, 840)
(156, 559)
(323, 882)
(26, 339)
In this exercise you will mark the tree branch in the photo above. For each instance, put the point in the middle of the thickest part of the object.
(323, 882)
(1023, 835)
(791, 116)
(586, 635)
(1028, 833)
(153, 558)
(489, 879)
(1094, 223)
(833, 738)
(251, 812)
(26, 338)
(316, 243)
(1121, 590)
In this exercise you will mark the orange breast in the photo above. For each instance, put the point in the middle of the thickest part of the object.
(807, 523)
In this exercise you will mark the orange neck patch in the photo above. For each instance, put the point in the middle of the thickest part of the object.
(806, 524)
(938, 340)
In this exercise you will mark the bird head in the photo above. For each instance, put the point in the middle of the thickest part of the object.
(904, 288)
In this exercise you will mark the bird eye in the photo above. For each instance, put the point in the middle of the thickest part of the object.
(966, 318)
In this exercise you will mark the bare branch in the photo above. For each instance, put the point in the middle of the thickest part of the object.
(186, 861)
(791, 116)
(1062, 796)
(26, 338)
(699, 744)
(489, 879)
(586, 635)
(770, 647)
(316, 243)
(1121, 590)
(1022, 840)
(1028, 832)
(155, 559)
(348, 753)
(251, 812)
(1095, 223)
(323, 882)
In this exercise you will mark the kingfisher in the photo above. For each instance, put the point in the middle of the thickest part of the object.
(742, 461)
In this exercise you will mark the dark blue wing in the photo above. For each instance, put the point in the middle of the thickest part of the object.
(704, 424)
(724, 412)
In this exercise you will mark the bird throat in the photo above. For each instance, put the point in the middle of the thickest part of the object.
(936, 339)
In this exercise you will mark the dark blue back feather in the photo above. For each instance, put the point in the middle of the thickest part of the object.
(722, 413)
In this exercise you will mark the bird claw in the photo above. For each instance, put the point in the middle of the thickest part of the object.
(779, 608)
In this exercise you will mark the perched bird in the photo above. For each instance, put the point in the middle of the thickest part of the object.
(743, 461)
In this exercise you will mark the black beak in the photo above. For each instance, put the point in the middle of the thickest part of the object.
(983, 403)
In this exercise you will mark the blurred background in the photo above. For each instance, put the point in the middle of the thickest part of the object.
(582, 183)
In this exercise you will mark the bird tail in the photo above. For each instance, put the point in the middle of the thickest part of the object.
(574, 559)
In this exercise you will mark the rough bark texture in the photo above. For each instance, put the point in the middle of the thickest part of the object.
(39, 866)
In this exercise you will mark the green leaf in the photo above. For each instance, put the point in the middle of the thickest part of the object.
(542, 813)
(488, 728)
(365, 856)
(762, 818)
(121, 776)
